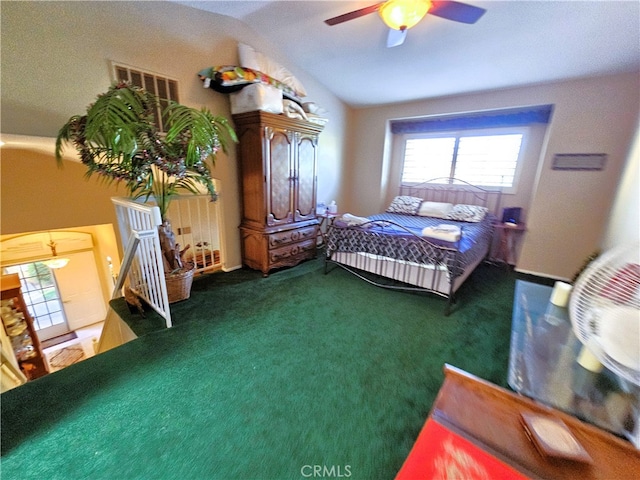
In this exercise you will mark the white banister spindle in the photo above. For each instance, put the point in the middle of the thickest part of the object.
(194, 219)
(146, 272)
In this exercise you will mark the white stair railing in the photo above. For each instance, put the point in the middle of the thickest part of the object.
(138, 225)
(195, 220)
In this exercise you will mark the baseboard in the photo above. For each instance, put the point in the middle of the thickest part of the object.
(542, 277)
(231, 269)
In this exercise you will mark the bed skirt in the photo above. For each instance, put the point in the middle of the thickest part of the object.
(431, 278)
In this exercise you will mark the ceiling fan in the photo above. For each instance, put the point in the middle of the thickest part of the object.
(401, 15)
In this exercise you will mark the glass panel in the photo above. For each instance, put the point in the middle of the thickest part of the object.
(427, 158)
(50, 293)
(555, 378)
(40, 309)
(32, 297)
(43, 321)
(40, 293)
(57, 318)
(488, 160)
(53, 306)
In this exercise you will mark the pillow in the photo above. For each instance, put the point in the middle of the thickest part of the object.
(256, 96)
(231, 78)
(405, 204)
(467, 213)
(435, 209)
(250, 58)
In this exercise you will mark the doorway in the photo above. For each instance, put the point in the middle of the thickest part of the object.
(80, 290)
(73, 298)
(64, 299)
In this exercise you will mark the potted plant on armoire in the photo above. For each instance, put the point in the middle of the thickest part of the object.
(119, 140)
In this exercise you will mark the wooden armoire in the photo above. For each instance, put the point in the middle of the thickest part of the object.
(278, 161)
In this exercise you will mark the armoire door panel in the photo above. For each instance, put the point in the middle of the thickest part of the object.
(306, 178)
(279, 175)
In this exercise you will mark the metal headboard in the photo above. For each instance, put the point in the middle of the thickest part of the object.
(453, 190)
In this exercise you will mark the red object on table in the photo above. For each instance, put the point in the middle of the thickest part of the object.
(483, 422)
(440, 453)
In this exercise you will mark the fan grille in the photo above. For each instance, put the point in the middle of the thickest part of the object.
(605, 310)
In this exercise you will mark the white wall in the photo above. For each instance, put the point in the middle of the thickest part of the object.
(56, 59)
(22, 248)
(624, 221)
(568, 211)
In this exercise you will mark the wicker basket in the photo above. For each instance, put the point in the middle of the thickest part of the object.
(179, 285)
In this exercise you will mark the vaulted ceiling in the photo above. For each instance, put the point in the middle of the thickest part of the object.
(515, 43)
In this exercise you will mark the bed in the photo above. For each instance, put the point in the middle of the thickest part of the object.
(431, 238)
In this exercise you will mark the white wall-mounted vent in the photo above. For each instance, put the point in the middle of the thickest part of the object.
(163, 87)
(579, 161)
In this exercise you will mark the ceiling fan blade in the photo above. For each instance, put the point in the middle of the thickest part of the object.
(396, 37)
(456, 11)
(353, 15)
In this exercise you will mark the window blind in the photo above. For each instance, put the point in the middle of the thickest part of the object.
(471, 121)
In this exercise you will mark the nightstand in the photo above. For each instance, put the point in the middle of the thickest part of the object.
(508, 237)
(326, 220)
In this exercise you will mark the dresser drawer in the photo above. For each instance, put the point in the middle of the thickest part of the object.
(305, 249)
(280, 239)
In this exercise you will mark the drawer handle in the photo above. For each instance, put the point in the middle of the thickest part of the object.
(279, 256)
(278, 241)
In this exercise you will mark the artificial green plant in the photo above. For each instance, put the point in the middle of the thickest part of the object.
(119, 140)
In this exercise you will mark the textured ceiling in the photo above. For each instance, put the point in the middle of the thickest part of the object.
(515, 43)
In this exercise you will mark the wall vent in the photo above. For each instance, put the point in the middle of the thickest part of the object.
(579, 161)
(166, 89)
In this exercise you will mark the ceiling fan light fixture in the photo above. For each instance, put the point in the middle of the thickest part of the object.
(403, 14)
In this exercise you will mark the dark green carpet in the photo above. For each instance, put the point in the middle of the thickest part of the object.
(260, 378)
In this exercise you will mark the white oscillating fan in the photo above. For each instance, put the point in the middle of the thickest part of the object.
(604, 309)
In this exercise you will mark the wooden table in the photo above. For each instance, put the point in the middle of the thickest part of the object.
(489, 417)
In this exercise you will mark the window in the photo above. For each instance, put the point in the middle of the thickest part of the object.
(484, 148)
(40, 293)
(486, 158)
(164, 88)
